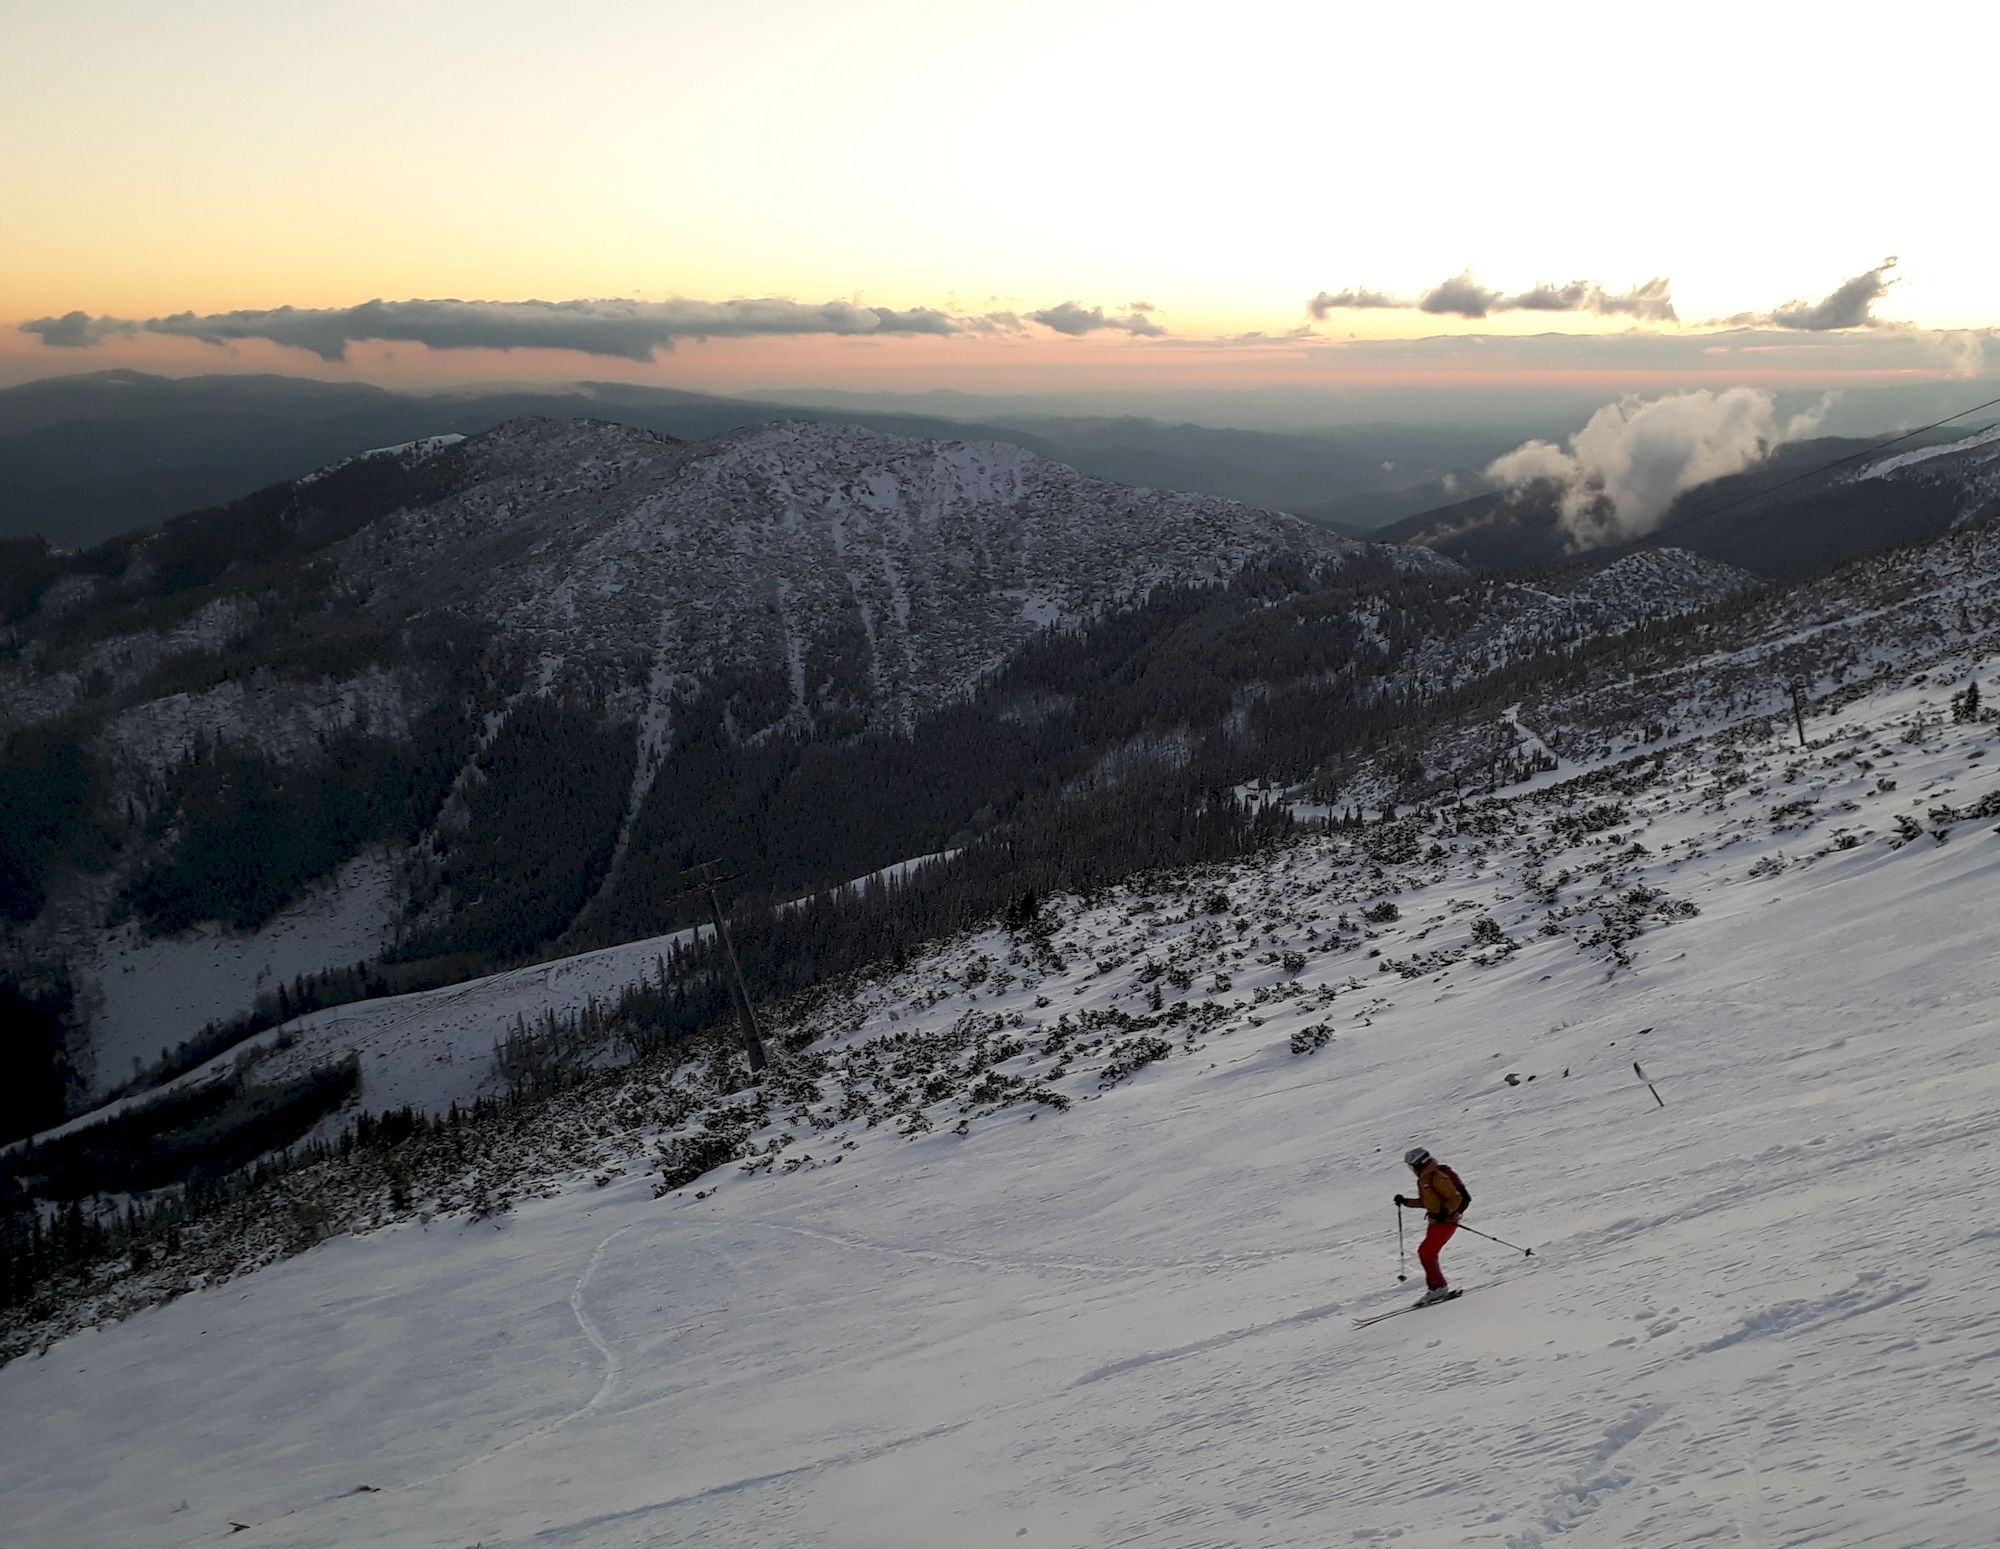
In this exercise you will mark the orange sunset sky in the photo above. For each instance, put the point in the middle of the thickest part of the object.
(1081, 195)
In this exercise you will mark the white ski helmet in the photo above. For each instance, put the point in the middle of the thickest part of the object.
(1416, 1156)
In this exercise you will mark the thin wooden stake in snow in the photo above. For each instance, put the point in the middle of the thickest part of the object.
(1649, 1085)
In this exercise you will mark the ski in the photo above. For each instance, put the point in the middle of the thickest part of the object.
(1414, 1307)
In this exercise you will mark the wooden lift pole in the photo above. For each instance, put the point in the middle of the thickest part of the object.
(746, 1014)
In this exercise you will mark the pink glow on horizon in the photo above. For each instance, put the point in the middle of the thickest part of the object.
(973, 365)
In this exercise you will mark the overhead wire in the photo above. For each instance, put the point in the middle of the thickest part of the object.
(1768, 490)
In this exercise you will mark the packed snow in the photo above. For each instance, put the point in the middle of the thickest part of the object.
(1758, 1314)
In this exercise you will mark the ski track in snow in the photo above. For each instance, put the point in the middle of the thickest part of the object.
(1133, 1363)
(613, 1366)
(587, 1326)
(591, 1332)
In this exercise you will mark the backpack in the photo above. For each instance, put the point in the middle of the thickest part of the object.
(1464, 1194)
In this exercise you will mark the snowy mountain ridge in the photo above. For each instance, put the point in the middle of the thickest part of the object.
(853, 567)
(397, 614)
(1812, 505)
(846, 564)
(414, 450)
(819, 578)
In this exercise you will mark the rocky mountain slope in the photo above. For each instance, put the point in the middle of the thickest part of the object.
(402, 662)
(843, 571)
(470, 703)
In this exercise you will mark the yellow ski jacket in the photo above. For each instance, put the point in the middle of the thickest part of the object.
(1440, 1193)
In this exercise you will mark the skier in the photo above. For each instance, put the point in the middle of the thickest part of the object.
(1444, 1198)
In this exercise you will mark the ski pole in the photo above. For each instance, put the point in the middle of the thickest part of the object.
(1402, 1263)
(1530, 1252)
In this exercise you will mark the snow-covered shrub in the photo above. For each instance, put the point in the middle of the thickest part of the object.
(684, 1158)
(1307, 1040)
(1130, 1055)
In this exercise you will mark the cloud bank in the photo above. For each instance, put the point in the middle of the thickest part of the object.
(1326, 302)
(1069, 318)
(1850, 306)
(71, 331)
(625, 330)
(1464, 296)
(1622, 472)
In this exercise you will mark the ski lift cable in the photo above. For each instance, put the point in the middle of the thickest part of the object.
(1826, 467)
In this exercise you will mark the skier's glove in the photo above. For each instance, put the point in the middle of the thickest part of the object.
(1400, 1201)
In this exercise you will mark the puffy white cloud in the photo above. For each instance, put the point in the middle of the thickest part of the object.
(1621, 473)
(1963, 350)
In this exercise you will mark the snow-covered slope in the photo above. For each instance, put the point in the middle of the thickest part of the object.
(1755, 1314)
(151, 992)
(1656, 583)
(1984, 445)
(1968, 468)
(424, 1050)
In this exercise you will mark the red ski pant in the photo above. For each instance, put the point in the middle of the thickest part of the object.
(1432, 1245)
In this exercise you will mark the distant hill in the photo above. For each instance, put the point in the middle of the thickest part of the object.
(1374, 512)
(1354, 479)
(86, 457)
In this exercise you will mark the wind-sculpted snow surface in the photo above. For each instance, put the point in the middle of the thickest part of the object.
(1054, 1237)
